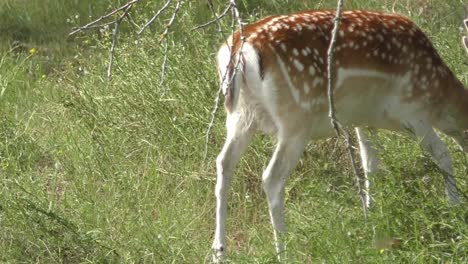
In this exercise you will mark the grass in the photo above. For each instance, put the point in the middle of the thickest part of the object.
(104, 172)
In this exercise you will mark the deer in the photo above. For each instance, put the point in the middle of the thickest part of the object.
(388, 75)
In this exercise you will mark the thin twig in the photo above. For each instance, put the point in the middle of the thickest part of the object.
(361, 193)
(330, 68)
(126, 9)
(130, 19)
(242, 39)
(217, 18)
(213, 116)
(149, 22)
(112, 51)
(115, 34)
(164, 36)
(332, 111)
(236, 19)
(171, 21)
(218, 94)
(163, 66)
(93, 23)
(103, 25)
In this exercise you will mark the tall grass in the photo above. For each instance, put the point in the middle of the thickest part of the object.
(98, 171)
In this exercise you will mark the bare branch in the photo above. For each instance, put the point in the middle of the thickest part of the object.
(211, 124)
(130, 19)
(171, 21)
(217, 18)
(163, 66)
(218, 94)
(115, 33)
(116, 23)
(220, 29)
(103, 25)
(330, 69)
(235, 16)
(236, 20)
(332, 111)
(149, 22)
(93, 23)
(166, 43)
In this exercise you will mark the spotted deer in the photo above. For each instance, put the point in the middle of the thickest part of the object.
(387, 75)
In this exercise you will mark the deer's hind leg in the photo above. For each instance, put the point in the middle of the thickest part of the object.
(239, 135)
(287, 153)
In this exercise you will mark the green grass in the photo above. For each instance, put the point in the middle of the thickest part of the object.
(109, 172)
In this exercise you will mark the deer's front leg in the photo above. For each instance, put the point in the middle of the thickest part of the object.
(432, 143)
(238, 137)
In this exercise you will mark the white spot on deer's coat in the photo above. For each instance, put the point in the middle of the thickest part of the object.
(295, 52)
(299, 66)
(283, 47)
(311, 70)
(317, 81)
(253, 36)
(306, 88)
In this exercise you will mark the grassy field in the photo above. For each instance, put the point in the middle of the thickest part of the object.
(97, 171)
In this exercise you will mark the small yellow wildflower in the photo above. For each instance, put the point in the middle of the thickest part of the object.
(382, 251)
(43, 76)
(32, 51)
